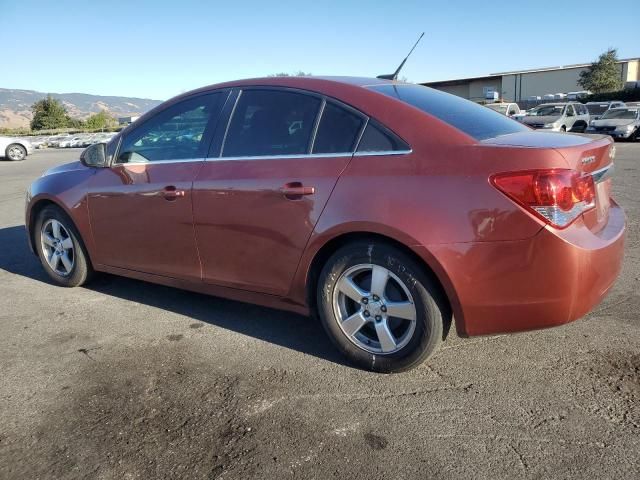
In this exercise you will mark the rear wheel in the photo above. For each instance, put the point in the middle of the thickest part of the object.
(379, 308)
(563, 128)
(60, 249)
(16, 152)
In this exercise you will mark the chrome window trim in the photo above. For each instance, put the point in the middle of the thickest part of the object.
(316, 126)
(155, 162)
(281, 157)
(383, 153)
(603, 174)
(229, 120)
(364, 127)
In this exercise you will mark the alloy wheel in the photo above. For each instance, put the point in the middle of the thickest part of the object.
(374, 309)
(57, 246)
(16, 152)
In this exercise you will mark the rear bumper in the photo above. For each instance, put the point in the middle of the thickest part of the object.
(553, 278)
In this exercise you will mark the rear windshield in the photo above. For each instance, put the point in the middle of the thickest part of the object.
(473, 119)
(620, 114)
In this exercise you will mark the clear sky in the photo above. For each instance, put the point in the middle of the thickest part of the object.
(157, 49)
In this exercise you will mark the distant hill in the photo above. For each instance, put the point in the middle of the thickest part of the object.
(15, 105)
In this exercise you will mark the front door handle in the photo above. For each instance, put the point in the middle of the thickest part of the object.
(171, 193)
(295, 190)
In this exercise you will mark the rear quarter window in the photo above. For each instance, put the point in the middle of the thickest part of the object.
(475, 120)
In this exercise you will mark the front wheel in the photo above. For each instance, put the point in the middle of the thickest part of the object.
(60, 249)
(16, 152)
(379, 307)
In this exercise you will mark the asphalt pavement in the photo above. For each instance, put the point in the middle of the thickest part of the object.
(125, 379)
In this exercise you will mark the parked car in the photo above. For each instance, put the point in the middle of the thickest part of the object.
(388, 223)
(622, 123)
(632, 104)
(559, 117)
(597, 109)
(15, 148)
(55, 140)
(70, 142)
(37, 142)
(508, 109)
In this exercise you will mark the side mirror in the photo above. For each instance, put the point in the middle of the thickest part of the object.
(95, 156)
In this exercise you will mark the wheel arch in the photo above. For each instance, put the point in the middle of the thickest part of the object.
(34, 210)
(440, 281)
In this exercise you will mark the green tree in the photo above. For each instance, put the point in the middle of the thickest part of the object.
(75, 123)
(603, 75)
(48, 113)
(101, 120)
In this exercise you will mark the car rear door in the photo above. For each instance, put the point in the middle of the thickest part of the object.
(256, 200)
(141, 206)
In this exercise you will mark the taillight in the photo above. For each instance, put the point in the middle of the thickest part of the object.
(557, 196)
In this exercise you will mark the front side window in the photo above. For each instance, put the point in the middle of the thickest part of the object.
(271, 123)
(176, 133)
(469, 117)
(338, 130)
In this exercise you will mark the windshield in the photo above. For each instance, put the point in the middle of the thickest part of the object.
(498, 108)
(469, 117)
(547, 111)
(597, 109)
(620, 114)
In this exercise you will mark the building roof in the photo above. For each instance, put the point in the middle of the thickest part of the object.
(491, 76)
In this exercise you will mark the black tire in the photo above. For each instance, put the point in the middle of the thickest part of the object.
(15, 157)
(563, 128)
(430, 307)
(82, 271)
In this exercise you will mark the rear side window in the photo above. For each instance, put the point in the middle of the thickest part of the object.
(270, 123)
(177, 133)
(377, 138)
(473, 119)
(338, 130)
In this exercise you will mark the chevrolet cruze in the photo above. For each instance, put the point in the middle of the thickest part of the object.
(390, 210)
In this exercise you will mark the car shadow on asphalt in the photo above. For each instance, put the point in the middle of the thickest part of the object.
(281, 328)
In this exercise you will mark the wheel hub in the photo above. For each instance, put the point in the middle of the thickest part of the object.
(375, 318)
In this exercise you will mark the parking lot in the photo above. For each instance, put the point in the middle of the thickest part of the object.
(124, 379)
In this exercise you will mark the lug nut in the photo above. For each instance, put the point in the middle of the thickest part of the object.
(383, 308)
(366, 313)
(378, 318)
(365, 300)
(375, 298)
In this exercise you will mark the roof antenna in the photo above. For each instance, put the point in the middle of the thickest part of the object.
(394, 76)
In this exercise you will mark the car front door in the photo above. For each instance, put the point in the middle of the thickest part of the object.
(256, 200)
(141, 206)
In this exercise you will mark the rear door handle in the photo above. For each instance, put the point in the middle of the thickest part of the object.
(171, 193)
(295, 190)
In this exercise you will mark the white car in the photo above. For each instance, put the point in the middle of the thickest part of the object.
(68, 142)
(508, 109)
(15, 149)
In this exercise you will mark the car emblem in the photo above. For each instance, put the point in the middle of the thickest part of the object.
(588, 160)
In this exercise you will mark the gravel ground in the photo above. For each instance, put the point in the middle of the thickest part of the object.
(124, 379)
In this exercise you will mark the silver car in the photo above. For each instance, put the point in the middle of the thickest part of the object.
(558, 117)
(15, 149)
(597, 109)
(623, 123)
